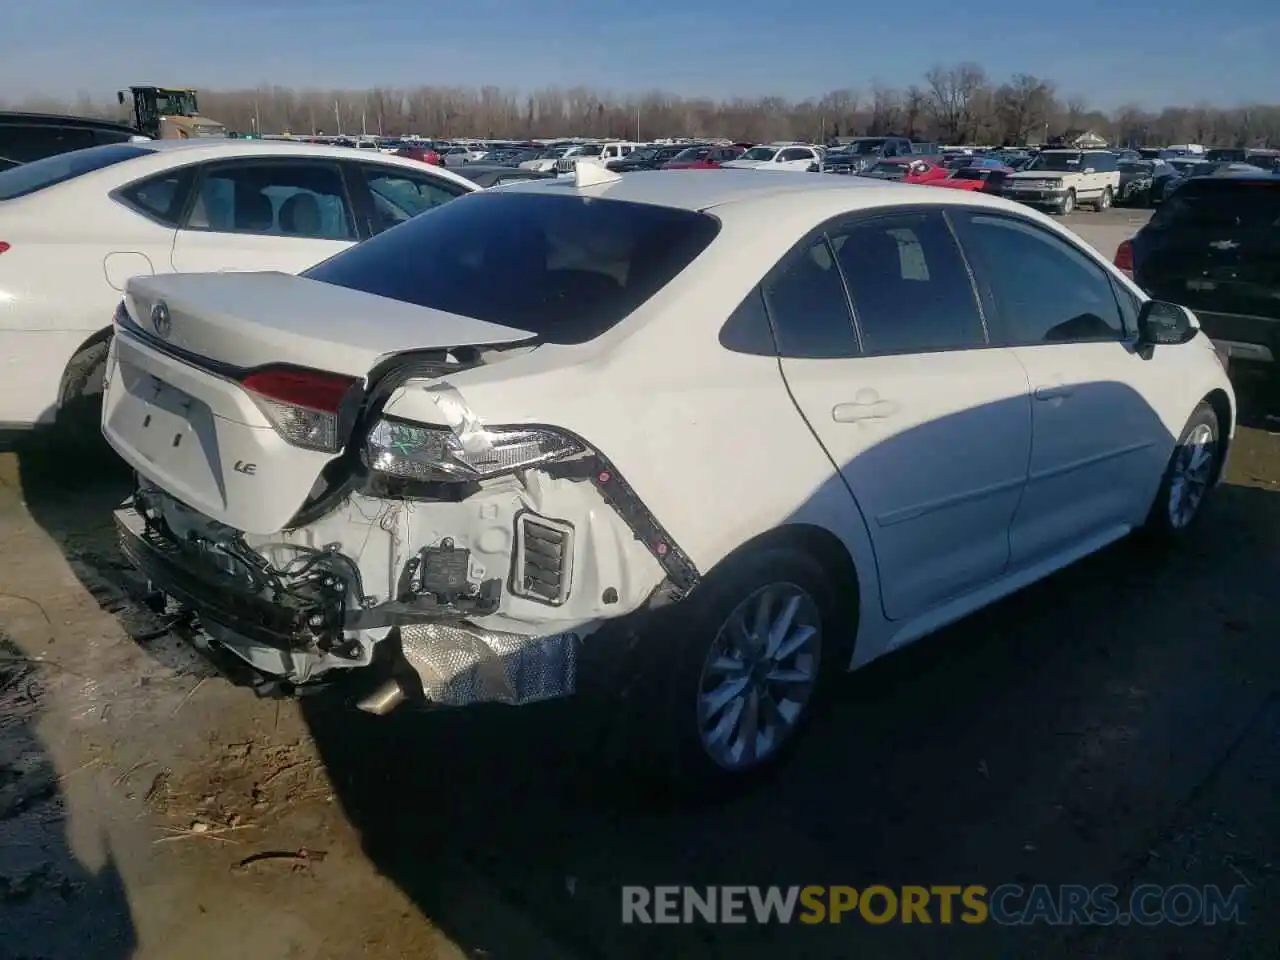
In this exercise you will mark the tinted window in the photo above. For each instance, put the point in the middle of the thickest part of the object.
(911, 291)
(274, 199)
(399, 195)
(111, 136)
(1058, 162)
(564, 267)
(795, 154)
(688, 156)
(1102, 162)
(39, 174)
(24, 144)
(162, 198)
(1222, 204)
(807, 303)
(1045, 290)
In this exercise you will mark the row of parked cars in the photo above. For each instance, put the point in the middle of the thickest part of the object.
(444, 445)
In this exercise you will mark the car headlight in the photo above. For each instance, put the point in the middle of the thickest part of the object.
(414, 451)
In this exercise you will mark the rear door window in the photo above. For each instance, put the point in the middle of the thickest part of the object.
(38, 175)
(566, 268)
(911, 292)
(808, 306)
(286, 199)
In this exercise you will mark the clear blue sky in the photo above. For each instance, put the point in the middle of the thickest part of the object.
(1154, 52)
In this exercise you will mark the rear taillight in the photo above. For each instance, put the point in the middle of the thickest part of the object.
(1124, 257)
(416, 451)
(304, 406)
(432, 157)
(5, 246)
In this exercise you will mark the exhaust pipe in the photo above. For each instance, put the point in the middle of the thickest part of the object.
(385, 699)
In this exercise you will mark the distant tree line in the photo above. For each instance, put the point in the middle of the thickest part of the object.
(956, 103)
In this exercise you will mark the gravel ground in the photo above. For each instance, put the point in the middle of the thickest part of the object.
(1118, 723)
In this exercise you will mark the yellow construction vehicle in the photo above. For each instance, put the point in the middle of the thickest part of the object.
(168, 113)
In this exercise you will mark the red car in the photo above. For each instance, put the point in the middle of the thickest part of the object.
(702, 158)
(421, 154)
(980, 179)
(908, 170)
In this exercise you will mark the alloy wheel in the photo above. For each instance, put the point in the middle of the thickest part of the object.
(759, 676)
(1191, 476)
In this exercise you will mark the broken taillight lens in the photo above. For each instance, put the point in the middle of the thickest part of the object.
(304, 406)
(414, 451)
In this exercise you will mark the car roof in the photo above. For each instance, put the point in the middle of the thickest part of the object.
(700, 190)
(157, 156)
(23, 118)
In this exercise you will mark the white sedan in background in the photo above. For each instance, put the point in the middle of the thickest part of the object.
(470, 444)
(75, 227)
(794, 157)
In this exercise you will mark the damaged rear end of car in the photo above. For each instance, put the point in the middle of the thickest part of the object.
(349, 474)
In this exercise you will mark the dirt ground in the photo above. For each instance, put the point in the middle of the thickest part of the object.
(1118, 723)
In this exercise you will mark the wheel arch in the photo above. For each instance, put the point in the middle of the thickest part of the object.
(824, 546)
(1225, 412)
(101, 336)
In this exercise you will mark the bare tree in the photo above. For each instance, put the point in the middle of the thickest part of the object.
(1076, 108)
(914, 104)
(1024, 106)
(952, 91)
(886, 110)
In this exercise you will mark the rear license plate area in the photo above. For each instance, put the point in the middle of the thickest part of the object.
(171, 430)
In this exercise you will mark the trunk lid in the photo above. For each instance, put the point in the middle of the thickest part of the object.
(1215, 247)
(251, 319)
(176, 411)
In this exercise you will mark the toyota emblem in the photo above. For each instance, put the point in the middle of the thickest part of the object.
(160, 319)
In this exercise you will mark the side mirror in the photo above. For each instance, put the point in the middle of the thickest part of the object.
(120, 97)
(1160, 322)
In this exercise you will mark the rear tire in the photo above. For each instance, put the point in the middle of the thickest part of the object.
(714, 645)
(79, 423)
(1188, 479)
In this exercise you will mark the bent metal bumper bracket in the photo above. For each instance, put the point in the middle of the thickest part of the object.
(457, 663)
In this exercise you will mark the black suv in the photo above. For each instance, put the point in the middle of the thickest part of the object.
(1214, 246)
(33, 136)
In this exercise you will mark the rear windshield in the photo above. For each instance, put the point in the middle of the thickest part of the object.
(1136, 166)
(566, 268)
(39, 174)
(1214, 203)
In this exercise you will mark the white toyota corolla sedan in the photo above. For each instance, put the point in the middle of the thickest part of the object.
(75, 227)
(711, 437)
